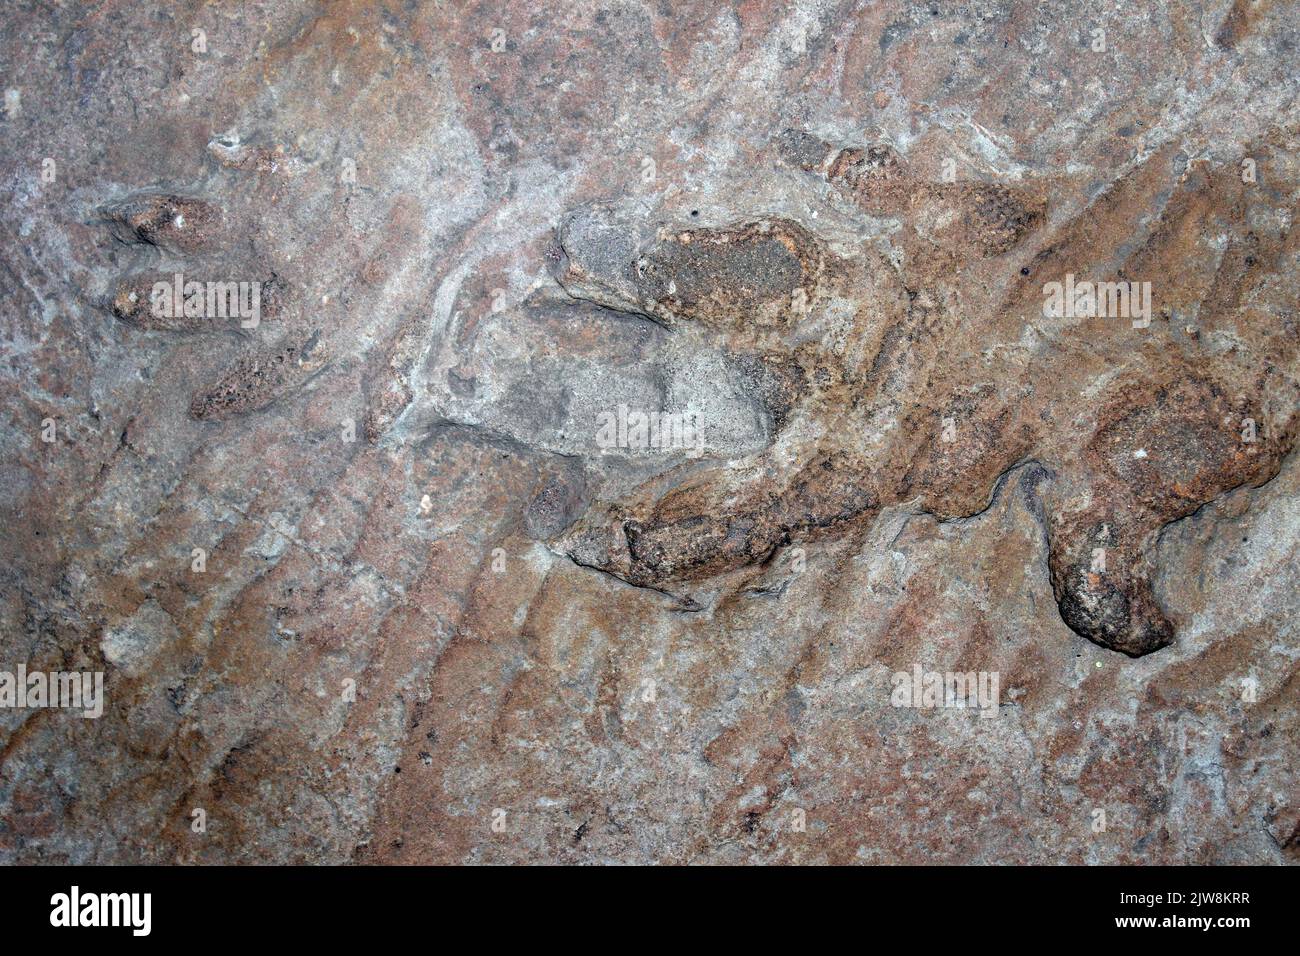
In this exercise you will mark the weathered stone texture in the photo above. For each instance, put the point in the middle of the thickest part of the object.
(439, 620)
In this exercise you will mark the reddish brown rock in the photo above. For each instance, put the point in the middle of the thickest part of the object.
(364, 583)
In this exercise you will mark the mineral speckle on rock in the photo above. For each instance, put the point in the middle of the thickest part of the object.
(815, 432)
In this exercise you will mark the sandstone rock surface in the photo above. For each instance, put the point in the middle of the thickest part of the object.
(400, 571)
